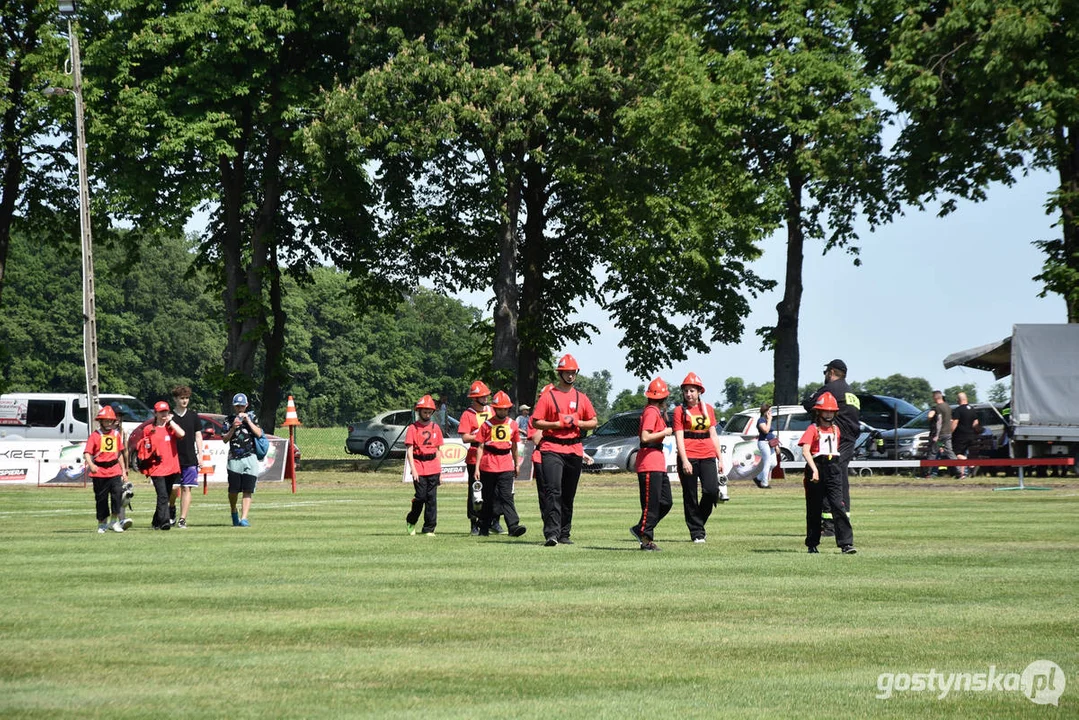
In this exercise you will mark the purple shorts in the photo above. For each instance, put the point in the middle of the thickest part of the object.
(189, 476)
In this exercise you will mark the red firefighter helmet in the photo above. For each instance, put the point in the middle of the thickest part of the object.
(657, 390)
(107, 413)
(479, 389)
(502, 400)
(425, 403)
(567, 363)
(695, 380)
(827, 402)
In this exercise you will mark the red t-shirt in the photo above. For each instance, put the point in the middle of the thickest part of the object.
(104, 449)
(821, 441)
(471, 419)
(425, 439)
(651, 459)
(695, 421)
(498, 438)
(164, 441)
(556, 404)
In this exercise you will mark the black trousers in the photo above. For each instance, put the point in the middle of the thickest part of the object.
(656, 501)
(537, 477)
(561, 474)
(697, 513)
(426, 501)
(498, 495)
(473, 513)
(846, 454)
(829, 486)
(105, 489)
(163, 487)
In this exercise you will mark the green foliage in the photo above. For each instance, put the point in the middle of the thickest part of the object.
(985, 89)
(627, 400)
(739, 396)
(916, 391)
(969, 388)
(597, 387)
(999, 393)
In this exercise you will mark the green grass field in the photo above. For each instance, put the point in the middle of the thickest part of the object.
(326, 608)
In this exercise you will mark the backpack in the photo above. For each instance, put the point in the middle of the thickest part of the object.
(147, 453)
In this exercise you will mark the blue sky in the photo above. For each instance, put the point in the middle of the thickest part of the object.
(927, 287)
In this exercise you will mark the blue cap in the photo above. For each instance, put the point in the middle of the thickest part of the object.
(239, 399)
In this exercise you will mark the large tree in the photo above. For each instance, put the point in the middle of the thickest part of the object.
(812, 133)
(33, 145)
(986, 90)
(507, 166)
(203, 103)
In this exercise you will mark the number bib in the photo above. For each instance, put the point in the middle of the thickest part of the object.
(828, 444)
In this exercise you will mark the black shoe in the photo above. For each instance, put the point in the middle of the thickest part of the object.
(497, 529)
(827, 529)
(636, 533)
(475, 529)
(757, 482)
(551, 542)
(849, 550)
(565, 541)
(650, 546)
(483, 533)
(814, 551)
(518, 531)
(166, 526)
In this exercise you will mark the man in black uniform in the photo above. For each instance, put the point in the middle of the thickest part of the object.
(965, 427)
(835, 382)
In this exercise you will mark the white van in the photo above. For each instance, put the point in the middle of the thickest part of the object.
(62, 416)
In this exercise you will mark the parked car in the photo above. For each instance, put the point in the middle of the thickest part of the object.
(213, 427)
(385, 434)
(913, 438)
(885, 412)
(788, 423)
(613, 445)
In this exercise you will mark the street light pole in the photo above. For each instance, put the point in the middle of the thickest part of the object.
(89, 305)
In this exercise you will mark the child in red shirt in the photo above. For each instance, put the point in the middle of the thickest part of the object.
(823, 476)
(498, 463)
(105, 463)
(423, 439)
(652, 476)
(163, 434)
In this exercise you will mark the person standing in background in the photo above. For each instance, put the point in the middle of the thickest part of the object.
(188, 451)
(765, 436)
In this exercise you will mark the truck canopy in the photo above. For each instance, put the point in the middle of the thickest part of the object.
(1043, 361)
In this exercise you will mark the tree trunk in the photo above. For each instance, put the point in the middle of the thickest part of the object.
(13, 163)
(533, 261)
(504, 357)
(1066, 278)
(785, 351)
(264, 248)
(275, 373)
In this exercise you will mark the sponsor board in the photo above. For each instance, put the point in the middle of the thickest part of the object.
(452, 452)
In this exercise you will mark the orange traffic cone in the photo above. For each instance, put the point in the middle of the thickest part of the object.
(206, 465)
(291, 418)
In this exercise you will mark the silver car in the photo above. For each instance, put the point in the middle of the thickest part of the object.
(614, 444)
(385, 434)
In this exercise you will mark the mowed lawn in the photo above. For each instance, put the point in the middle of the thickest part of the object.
(326, 608)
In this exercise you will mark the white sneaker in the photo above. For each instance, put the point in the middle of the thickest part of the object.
(698, 541)
(126, 523)
(102, 527)
(116, 527)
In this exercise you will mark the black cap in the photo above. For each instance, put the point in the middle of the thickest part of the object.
(838, 365)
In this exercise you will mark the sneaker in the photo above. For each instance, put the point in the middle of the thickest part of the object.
(849, 550)
(235, 519)
(757, 482)
(475, 529)
(126, 523)
(410, 528)
(245, 523)
(116, 527)
(650, 546)
(565, 541)
(551, 542)
(182, 523)
(497, 529)
(102, 527)
(429, 534)
(814, 551)
(166, 526)
(698, 541)
(636, 533)
(518, 531)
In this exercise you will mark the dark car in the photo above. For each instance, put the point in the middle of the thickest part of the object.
(913, 438)
(884, 412)
(213, 427)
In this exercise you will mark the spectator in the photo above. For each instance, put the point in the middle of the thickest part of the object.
(243, 465)
(765, 438)
(965, 427)
(940, 432)
(522, 418)
(188, 450)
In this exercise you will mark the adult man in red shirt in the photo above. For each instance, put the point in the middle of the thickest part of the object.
(563, 413)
